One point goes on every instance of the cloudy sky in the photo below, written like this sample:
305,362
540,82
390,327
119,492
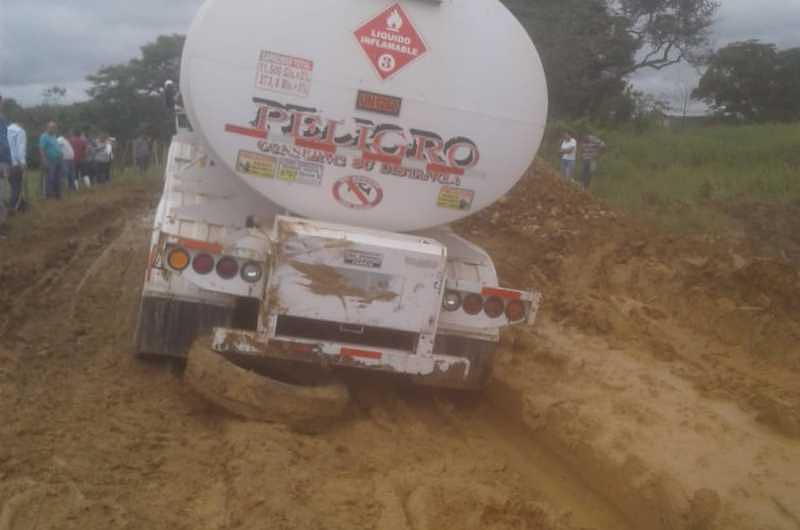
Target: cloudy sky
47,42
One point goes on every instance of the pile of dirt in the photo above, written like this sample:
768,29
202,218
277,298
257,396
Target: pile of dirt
582,253
644,335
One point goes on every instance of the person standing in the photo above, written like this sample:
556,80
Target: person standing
79,148
51,161
141,153
91,154
110,143
569,152
5,167
101,159
67,163
591,149
18,144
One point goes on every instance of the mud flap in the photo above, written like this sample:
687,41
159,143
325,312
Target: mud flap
168,327
481,361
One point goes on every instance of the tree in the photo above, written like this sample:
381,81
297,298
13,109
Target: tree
583,48
53,95
127,97
589,47
752,81
666,32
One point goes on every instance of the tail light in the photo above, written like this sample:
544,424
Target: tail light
451,301
473,304
227,268
494,307
178,259
203,264
515,311
251,272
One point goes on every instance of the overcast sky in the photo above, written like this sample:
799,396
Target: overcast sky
47,42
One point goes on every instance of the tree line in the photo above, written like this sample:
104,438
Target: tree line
752,81
125,100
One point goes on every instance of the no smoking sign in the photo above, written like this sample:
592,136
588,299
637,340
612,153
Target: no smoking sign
358,193
390,41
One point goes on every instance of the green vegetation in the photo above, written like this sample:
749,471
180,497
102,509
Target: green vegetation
677,176
33,181
125,100
40,211
753,82
590,47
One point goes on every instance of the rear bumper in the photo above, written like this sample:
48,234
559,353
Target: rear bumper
468,370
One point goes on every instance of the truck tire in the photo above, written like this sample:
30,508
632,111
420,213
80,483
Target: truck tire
257,397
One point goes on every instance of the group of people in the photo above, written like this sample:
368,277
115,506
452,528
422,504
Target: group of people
591,147
75,159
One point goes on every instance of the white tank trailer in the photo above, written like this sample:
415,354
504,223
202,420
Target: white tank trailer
323,148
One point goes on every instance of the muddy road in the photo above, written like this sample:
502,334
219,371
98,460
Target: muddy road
659,390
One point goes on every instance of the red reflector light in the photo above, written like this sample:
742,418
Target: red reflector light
493,307
515,311
203,264
473,304
351,352
227,268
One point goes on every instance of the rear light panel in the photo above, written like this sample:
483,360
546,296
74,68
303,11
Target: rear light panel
179,258
492,303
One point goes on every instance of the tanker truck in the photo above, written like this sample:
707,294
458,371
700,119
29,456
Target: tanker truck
323,150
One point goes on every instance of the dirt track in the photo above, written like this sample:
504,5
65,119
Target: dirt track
659,390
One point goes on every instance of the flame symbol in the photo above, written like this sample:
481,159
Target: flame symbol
395,21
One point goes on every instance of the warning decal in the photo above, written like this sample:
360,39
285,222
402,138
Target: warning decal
358,193
390,41
300,172
285,169
455,198
256,164
284,74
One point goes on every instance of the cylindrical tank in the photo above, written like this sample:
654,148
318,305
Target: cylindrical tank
396,115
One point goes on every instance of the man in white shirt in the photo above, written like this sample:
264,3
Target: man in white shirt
5,166
18,144
68,162
569,153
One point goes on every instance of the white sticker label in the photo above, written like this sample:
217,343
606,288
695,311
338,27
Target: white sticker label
284,74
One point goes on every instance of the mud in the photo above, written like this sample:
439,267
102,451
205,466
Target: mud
324,280
659,390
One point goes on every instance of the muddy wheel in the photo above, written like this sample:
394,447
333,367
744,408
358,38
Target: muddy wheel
258,397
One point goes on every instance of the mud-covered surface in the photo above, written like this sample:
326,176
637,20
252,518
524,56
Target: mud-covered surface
658,390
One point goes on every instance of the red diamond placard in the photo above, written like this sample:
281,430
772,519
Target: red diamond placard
391,41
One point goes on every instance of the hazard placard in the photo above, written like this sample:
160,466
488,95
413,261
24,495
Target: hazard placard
390,41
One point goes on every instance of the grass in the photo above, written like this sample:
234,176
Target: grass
677,176
41,210
33,181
